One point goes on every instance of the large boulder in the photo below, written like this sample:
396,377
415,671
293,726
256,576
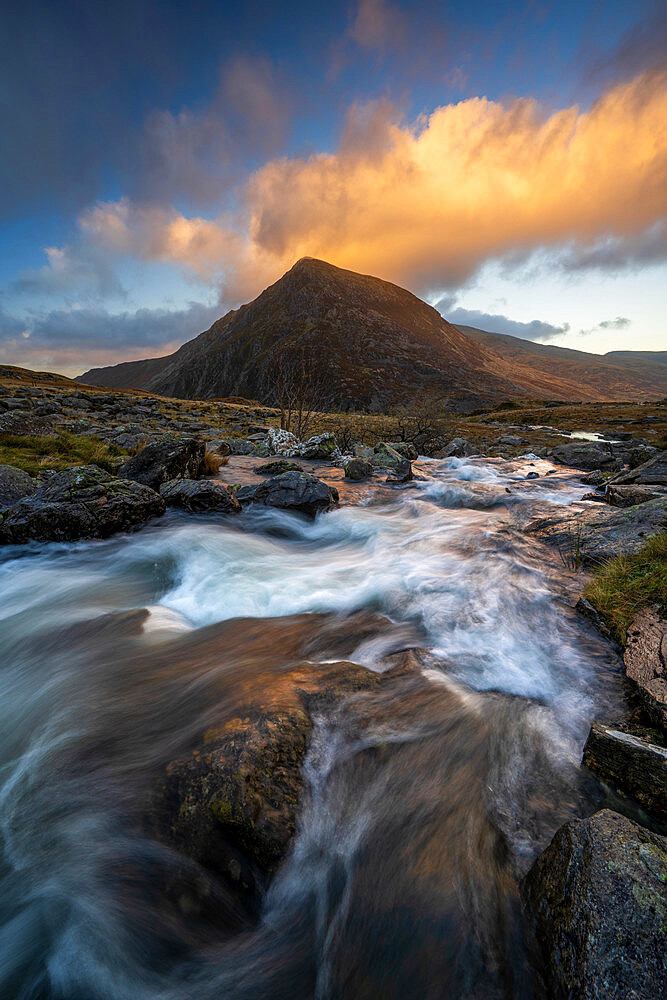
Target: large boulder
296,491
282,442
586,535
170,458
586,455
82,502
645,659
15,484
357,469
597,901
630,764
405,448
628,495
199,495
279,465
386,457
651,473
320,446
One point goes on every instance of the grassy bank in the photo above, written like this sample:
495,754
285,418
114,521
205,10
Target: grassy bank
33,453
627,584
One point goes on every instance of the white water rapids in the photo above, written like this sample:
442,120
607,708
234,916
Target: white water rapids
386,892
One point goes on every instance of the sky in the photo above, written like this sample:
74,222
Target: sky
162,163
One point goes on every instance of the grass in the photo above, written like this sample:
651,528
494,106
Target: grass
33,453
625,585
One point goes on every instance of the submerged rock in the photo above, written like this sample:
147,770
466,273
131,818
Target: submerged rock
15,484
199,495
587,536
597,900
630,764
171,458
296,491
645,659
82,502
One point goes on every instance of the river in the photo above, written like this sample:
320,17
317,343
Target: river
422,809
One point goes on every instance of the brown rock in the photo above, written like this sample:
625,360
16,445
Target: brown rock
630,764
645,661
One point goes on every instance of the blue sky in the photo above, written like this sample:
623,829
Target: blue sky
163,162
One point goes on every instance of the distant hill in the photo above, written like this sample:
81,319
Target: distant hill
374,345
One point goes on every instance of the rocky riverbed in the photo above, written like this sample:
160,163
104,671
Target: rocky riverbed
317,729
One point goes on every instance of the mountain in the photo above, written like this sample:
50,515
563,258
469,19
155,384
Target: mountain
616,375
370,342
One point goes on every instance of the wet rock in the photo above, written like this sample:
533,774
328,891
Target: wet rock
629,764
170,458
650,473
296,491
406,449
403,474
458,447
245,494
357,469
628,496
232,803
199,495
275,468
589,535
586,609
597,900
592,479
533,475
386,457
15,484
586,455
645,659
82,502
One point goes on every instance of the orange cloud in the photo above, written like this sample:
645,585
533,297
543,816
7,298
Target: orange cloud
428,203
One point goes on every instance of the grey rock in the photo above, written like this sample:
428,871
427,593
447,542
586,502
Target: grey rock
458,447
296,491
199,495
14,485
406,449
650,473
170,458
403,474
357,469
278,466
629,764
246,494
586,455
386,457
629,495
590,534
597,902
81,502
238,446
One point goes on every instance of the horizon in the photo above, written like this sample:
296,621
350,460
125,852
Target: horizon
503,162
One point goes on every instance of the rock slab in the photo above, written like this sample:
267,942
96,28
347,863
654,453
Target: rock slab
630,764
199,495
81,502
171,458
645,660
597,902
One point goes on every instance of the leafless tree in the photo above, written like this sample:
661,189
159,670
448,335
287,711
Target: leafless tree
300,387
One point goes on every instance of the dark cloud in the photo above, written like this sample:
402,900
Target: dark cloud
642,47
495,323
618,253
620,323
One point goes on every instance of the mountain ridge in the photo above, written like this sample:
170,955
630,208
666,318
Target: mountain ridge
373,343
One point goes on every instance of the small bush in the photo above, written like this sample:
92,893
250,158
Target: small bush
211,464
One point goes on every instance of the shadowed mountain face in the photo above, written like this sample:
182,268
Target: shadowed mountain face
373,344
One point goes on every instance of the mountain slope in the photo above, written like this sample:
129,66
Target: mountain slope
373,343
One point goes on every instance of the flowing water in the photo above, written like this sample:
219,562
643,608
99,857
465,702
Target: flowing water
425,802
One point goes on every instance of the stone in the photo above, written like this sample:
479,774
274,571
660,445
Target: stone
403,474
386,457
296,491
170,458
592,479
586,455
587,535
199,495
650,473
629,495
24,422
15,484
458,447
81,502
275,468
357,469
282,442
512,440
245,494
645,659
532,475
629,764
320,446
406,449
236,446
597,902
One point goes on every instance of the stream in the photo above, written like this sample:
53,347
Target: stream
424,805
